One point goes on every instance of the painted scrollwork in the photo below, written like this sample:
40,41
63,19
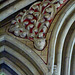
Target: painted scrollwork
34,23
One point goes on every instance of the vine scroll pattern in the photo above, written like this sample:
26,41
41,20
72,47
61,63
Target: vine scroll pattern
33,24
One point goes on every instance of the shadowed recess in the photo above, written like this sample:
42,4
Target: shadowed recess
4,66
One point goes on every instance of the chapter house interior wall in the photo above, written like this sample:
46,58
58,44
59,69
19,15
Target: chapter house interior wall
37,37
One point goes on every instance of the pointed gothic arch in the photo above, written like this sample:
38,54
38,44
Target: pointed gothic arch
9,63
59,32
6,42
59,29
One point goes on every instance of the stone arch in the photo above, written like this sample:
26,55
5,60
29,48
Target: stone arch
39,66
22,59
59,33
11,65
69,54
72,66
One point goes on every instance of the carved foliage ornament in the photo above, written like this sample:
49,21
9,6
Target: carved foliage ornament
34,23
